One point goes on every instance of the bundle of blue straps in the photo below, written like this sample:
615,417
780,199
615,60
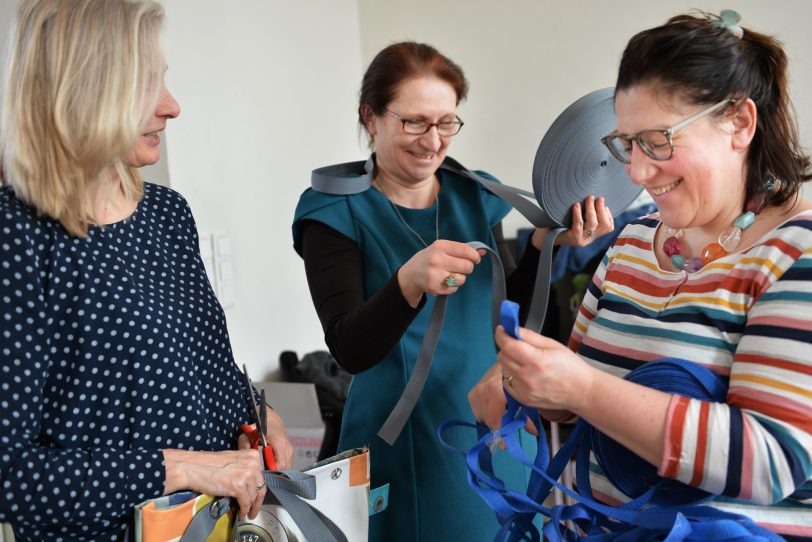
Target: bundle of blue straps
660,509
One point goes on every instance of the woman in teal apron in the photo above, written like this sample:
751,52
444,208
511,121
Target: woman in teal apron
375,262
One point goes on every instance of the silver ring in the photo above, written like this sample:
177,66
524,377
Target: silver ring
260,486
588,233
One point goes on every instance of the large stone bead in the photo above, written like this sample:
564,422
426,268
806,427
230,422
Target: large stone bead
730,239
671,247
712,252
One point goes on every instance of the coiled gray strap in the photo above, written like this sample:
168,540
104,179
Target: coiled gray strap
396,420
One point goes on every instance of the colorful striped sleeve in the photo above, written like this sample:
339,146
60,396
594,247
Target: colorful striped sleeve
756,447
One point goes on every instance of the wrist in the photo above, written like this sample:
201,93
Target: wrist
411,294
175,472
538,237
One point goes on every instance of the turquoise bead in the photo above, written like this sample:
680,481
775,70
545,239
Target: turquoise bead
744,220
678,261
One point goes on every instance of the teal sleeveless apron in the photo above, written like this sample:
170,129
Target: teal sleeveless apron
429,496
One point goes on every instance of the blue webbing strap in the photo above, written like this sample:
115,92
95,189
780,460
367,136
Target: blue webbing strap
663,509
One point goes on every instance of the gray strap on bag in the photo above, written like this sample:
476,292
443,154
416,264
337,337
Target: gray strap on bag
396,420
315,526
204,520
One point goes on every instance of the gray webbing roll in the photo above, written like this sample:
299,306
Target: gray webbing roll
571,162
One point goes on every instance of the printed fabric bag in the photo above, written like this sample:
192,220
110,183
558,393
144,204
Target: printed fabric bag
328,501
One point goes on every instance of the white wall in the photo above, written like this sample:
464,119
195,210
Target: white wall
266,91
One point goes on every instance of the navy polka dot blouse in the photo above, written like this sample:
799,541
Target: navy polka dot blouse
112,348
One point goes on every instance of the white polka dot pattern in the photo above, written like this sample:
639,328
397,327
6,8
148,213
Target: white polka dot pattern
112,348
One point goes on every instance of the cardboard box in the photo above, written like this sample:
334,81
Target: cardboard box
298,406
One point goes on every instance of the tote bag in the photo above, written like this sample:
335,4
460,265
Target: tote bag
328,501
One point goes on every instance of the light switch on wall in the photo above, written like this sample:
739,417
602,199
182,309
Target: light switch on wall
224,269
215,251
207,255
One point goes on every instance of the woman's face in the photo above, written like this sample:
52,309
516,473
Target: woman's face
703,183
146,149
406,158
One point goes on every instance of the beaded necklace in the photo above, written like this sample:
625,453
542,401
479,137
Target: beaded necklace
727,240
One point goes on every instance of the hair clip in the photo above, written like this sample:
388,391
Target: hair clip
729,20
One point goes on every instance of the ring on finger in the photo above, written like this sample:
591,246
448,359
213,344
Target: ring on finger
508,379
588,232
450,281
260,486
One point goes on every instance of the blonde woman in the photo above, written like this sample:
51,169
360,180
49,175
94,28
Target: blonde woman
117,381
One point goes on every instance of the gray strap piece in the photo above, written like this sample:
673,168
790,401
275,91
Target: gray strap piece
541,291
396,420
204,520
286,491
571,163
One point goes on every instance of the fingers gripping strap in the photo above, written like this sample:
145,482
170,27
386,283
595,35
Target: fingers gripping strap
394,424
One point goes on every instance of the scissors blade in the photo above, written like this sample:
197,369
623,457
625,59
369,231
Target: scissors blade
256,411
263,414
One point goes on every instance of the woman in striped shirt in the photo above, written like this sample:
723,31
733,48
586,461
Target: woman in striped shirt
721,276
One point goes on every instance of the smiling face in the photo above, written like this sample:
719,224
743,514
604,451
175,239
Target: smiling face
410,159
703,183
146,149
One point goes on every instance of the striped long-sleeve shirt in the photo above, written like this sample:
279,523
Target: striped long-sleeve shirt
747,317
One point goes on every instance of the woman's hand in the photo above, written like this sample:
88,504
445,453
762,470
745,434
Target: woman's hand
278,440
431,270
230,473
487,399
596,220
543,373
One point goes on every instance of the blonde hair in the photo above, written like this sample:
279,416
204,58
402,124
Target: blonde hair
82,80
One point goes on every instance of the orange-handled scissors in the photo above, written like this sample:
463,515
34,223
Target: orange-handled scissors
256,434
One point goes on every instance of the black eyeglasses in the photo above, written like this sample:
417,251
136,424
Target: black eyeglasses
656,144
445,128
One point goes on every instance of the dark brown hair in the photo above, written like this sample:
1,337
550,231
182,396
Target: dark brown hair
699,60
399,62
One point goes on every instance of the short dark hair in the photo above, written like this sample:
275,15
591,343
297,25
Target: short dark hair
401,61
695,58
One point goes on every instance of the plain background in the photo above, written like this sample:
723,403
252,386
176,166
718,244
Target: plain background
268,91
